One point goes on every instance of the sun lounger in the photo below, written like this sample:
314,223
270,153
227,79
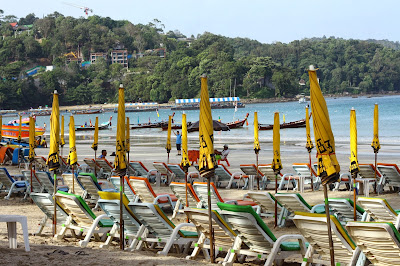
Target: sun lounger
266,201
136,168
45,203
343,209
162,171
81,218
36,186
8,184
380,242
109,202
250,175
68,179
179,190
314,229
305,172
391,175
91,186
178,173
255,234
222,174
128,190
92,165
294,202
145,193
106,167
201,191
366,177
40,163
47,182
380,210
269,175
159,229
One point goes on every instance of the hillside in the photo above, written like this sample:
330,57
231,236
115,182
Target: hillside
162,66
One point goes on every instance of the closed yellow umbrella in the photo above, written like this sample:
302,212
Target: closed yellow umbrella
276,161
168,145
128,142
1,127
72,156
31,156
95,140
256,145
19,130
375,141
120,154
207,162
328,166
185,163
53,160
309,145
354,168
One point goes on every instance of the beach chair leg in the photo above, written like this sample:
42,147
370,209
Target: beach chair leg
143,237
10,191
308,257
176,209
83,243
187,247
137,240
42,224
231,254
169,243
110,236
357,256
197,248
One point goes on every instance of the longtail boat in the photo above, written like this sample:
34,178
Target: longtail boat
11,131
87,112
147,125
102,126
294,124
237,124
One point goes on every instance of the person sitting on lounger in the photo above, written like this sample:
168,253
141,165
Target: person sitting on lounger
222,155
103,154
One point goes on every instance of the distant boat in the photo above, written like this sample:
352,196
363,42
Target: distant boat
237,124
87,112
102,126
302,100
12,132
294,124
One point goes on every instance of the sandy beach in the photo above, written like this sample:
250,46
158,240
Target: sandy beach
46,251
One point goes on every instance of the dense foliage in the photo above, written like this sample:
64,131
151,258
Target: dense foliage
245,67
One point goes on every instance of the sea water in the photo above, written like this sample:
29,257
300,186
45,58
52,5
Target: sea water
339,113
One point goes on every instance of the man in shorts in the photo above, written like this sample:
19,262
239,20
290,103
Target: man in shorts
178,142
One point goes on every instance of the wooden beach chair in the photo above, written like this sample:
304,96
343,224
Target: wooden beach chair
179,190
159,229
343,209
145,193
380,210
255,234
109,202
380,242
201,191
106,168
266,201
294,202
128,190
81,218
45,203
9,185
314,229
223,175
391,175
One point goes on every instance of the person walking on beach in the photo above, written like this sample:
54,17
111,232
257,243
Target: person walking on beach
103,154
178,142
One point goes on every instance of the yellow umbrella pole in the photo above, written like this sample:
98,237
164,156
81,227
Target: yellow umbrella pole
354,168
31,147
375,142
168,146
95,141
128,148
276,162
185,160
256,146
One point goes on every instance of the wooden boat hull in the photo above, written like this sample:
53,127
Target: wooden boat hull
294,124
12,132
87,112
237,124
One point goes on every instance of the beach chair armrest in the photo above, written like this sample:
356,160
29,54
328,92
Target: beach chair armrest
163,196
245,196
24,182
237,175
287,175
231,202
397,225
316,206
345,174
179,226
300,238
152,172
194,175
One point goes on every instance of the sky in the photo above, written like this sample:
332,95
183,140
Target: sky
263,20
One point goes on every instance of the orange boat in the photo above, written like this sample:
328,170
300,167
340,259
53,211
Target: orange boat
9,131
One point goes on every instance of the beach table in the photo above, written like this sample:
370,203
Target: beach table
12,221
